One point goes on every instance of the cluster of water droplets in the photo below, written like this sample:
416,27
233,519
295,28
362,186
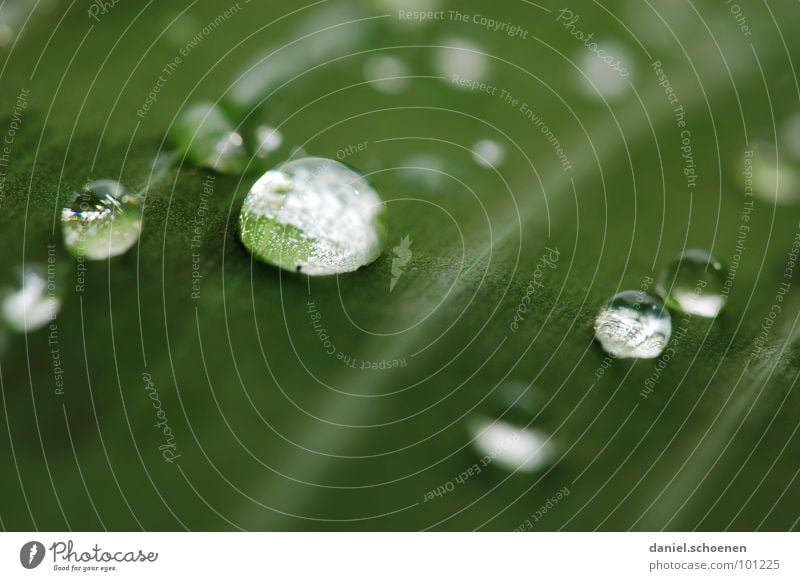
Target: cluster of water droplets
633,324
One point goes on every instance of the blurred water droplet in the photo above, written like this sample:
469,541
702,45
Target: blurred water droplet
102,221
268,140
633,324
385,73
694,283
313,215
6,34
208,139
609,76
459,58
509,433
770,178
488,153
424,170
790,133
33,302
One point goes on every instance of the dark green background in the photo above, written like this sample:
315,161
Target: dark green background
276,434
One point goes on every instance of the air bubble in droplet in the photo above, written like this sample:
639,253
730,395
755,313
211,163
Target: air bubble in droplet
102,220
633,324
488,153
33,302
315,216
694,283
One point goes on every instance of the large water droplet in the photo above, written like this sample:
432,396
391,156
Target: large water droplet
509,433
102,221
208,139
33,302
694,283
633,324
313,215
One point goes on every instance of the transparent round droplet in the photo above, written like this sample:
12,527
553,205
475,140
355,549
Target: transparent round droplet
633,324
268,140
694,283
607,75
458,59
488,153
386,73
33,301
313,215
208,139
102,220
509,433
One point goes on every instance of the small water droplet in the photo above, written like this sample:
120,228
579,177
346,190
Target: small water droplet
385,74
770,177
459,58
694,283
509,433
268,140
315,216
488,153
790,133
33,302
633,324
208,139
608,77
102,221
424,170
6,34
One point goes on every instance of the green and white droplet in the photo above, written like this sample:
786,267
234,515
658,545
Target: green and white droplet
102,220
33,302
509,433
313,215
208,139
633,325
694,284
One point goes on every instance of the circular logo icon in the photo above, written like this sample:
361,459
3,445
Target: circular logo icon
31,554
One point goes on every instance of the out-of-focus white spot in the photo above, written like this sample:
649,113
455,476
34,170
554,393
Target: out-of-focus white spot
459,58
385,73
608,73
513,448
488,153
268,140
